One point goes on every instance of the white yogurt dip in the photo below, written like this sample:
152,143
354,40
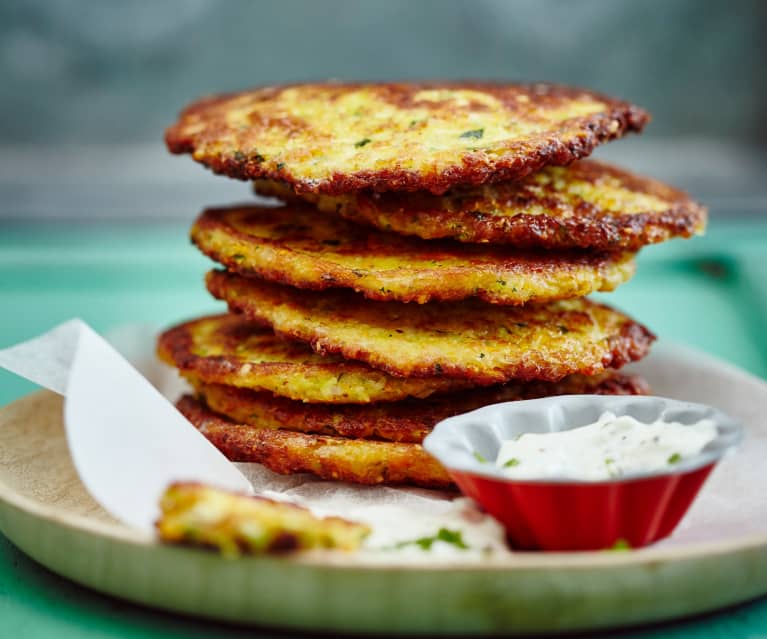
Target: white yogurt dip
607,449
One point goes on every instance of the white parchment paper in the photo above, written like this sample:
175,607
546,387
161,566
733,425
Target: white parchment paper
128,443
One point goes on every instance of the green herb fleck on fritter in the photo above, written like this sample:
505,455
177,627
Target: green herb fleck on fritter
474,133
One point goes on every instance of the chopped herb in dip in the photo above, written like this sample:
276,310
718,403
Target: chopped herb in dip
453,537
609,448
620,544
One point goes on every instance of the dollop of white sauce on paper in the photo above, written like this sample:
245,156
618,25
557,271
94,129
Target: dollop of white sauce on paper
607,449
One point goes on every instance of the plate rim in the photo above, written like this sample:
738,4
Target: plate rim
509,594
518,560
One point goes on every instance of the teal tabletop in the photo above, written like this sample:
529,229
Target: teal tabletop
709,293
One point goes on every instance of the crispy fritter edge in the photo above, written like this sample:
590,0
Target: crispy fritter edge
174,348
360,461
631,344
403,421
594,129
604,272
587,229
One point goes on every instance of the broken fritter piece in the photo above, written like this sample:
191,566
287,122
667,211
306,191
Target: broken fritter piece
236,524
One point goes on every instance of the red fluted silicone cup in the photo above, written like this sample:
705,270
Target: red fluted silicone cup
566,514
578,516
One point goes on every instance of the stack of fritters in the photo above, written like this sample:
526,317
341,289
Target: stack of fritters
431,256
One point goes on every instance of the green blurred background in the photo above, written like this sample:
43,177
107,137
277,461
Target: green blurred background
88,86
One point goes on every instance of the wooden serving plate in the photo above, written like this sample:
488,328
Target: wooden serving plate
46,512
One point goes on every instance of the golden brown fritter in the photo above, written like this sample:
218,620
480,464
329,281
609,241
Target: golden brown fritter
584,205
235,524
294,245
470,340
359,461
337,138
229,349
405,421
